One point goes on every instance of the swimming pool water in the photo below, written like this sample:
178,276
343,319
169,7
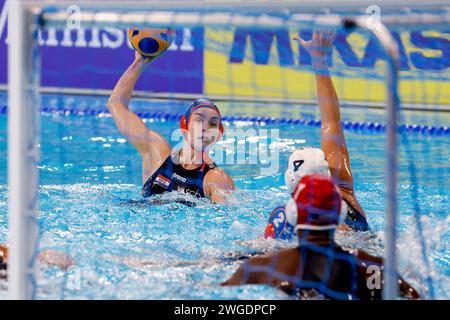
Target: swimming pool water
129,248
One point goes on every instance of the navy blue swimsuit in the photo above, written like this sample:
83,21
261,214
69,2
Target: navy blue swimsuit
355,219
173,177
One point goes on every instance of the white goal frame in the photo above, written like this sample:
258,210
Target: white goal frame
25,18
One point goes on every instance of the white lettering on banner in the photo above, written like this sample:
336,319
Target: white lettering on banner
95,40
52,41
112,38
108,42
81,39
186,44
67,39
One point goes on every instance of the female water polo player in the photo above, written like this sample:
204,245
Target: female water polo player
188,169
318,266
333,159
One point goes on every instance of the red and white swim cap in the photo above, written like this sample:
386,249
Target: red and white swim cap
315,204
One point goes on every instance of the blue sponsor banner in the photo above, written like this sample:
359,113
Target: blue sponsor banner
96,58
416,57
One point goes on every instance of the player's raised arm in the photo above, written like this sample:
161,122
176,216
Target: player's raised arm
128,123
333,140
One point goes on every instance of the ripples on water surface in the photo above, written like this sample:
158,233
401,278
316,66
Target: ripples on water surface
129,248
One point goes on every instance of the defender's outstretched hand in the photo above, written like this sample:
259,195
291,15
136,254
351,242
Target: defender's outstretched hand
320,44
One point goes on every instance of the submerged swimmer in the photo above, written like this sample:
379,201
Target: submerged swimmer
188,169
333,159
318,266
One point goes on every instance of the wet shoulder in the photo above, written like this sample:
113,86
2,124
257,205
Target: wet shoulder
217,174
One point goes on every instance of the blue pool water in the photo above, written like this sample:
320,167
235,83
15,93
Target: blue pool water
127,248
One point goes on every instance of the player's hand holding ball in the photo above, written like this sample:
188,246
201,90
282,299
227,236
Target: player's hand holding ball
150,43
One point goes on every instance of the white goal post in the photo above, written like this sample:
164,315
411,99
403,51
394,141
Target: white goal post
25,17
